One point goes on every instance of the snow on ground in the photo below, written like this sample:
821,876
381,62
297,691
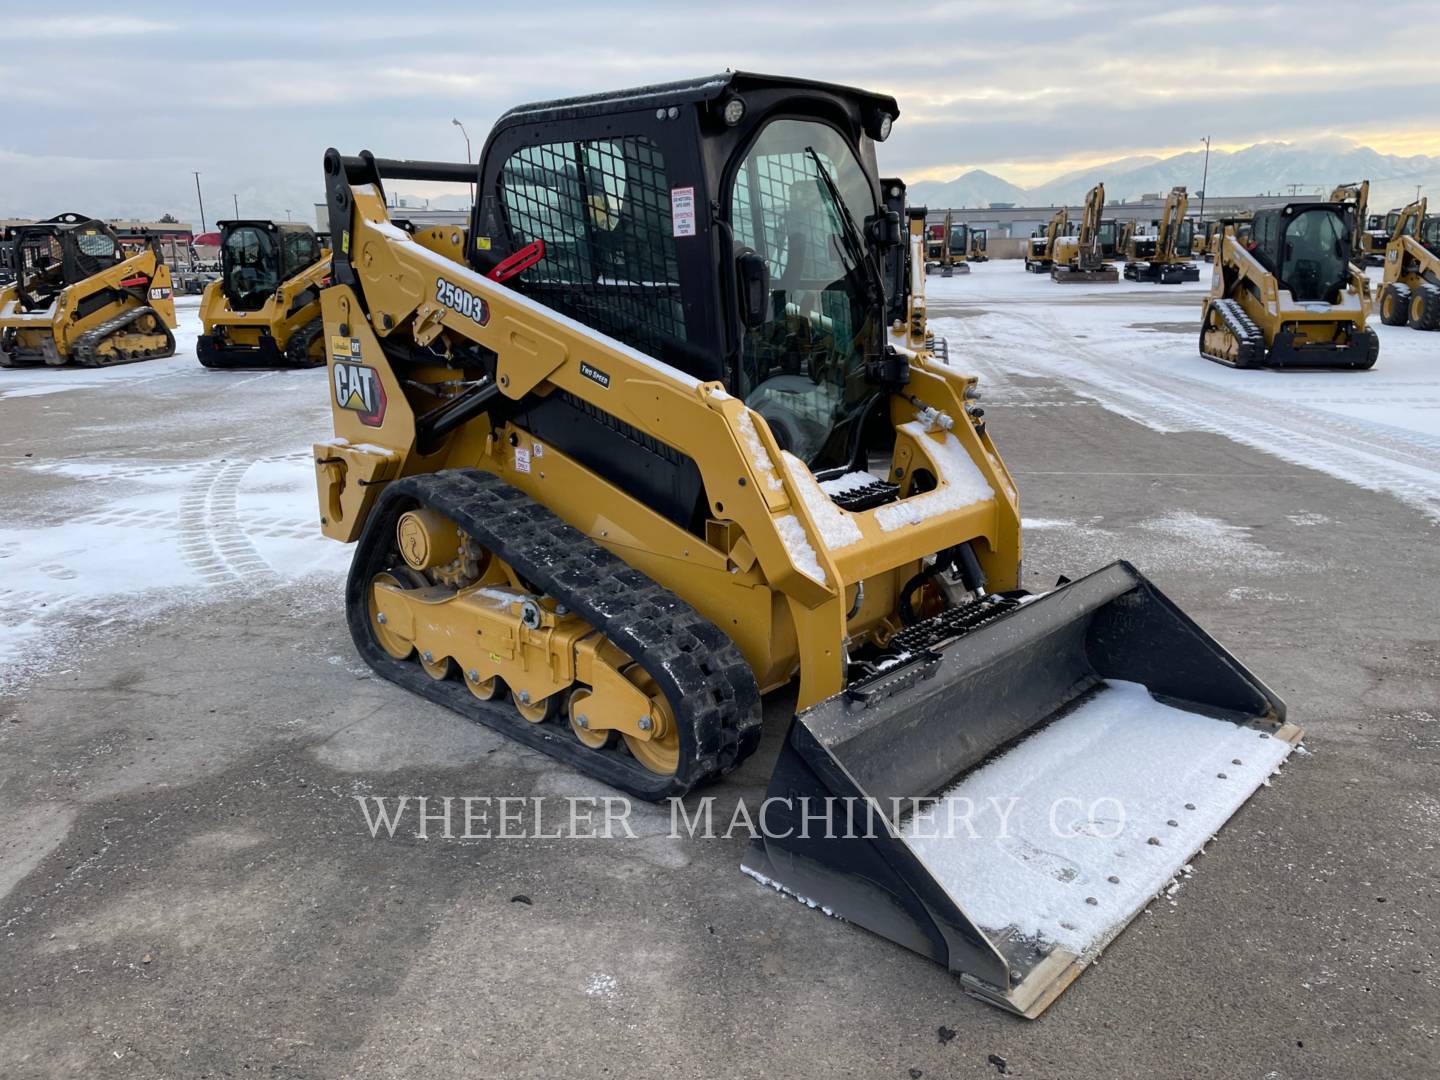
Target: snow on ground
202,488
1132,348
1110,802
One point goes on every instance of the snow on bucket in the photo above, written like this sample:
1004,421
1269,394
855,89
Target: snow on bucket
1006,803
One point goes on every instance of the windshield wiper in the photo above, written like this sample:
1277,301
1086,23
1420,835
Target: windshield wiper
850,233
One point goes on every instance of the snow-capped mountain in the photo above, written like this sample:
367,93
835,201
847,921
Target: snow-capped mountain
1265,168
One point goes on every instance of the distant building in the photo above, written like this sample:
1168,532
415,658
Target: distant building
1007,220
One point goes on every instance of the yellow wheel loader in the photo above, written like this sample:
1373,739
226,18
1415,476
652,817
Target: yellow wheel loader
1040,251
662,431
1410,289
1081,257
78,298
1165,260
264,309
1291,296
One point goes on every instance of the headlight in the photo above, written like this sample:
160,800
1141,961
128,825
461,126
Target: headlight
734,111
883,131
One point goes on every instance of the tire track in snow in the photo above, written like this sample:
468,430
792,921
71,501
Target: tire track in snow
1373,456
212,538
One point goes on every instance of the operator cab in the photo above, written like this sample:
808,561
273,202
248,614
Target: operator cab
731,226
257,257
1307,247
959,241
54,254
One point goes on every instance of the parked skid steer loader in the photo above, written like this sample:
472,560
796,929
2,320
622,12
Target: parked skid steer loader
78,298
663,431
1410,289
1291,297
264,309
1081,257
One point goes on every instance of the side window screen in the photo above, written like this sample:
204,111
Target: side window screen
603,209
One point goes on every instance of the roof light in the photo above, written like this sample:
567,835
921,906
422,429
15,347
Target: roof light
883,131
734,111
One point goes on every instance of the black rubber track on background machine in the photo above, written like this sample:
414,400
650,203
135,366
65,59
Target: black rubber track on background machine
696,666
86,352
297,349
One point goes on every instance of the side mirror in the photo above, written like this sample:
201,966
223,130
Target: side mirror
752,275
883,229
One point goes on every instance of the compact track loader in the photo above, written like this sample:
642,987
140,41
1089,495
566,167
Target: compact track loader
1081,257
1168,261
664,430
1291,297
1410,289
78,298
1040,252
264,309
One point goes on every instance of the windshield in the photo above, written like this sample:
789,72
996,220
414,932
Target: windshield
803,368
1314,262
251,267
958,239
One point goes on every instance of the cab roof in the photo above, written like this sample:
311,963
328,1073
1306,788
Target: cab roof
697,91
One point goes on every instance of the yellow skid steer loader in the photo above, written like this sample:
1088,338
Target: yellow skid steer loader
77,297
1291,296
264,309
1410,289
663,431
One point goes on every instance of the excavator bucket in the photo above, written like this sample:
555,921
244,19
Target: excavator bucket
1011,792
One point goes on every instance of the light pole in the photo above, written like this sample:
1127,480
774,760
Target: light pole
461,126
236,199
287,215
1205,178
201,199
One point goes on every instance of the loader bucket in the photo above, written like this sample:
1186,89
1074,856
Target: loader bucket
1007,800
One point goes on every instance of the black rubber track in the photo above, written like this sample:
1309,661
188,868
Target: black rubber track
86,353
297,349
698,668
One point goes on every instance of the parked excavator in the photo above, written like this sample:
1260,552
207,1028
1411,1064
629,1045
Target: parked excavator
947,247
1081,257
1169,262
1367,245
1410,289
1209,242
77,297
264,309
978,241
663,430
1291,297
1040,252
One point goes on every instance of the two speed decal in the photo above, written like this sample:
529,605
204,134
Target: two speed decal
463,301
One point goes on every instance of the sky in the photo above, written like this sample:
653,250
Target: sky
110,110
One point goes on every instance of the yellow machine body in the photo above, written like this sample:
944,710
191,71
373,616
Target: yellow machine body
610,552
78,299
1409,293
264,308
1291,296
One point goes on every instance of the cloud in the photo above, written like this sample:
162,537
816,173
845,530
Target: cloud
81,27
1024,88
